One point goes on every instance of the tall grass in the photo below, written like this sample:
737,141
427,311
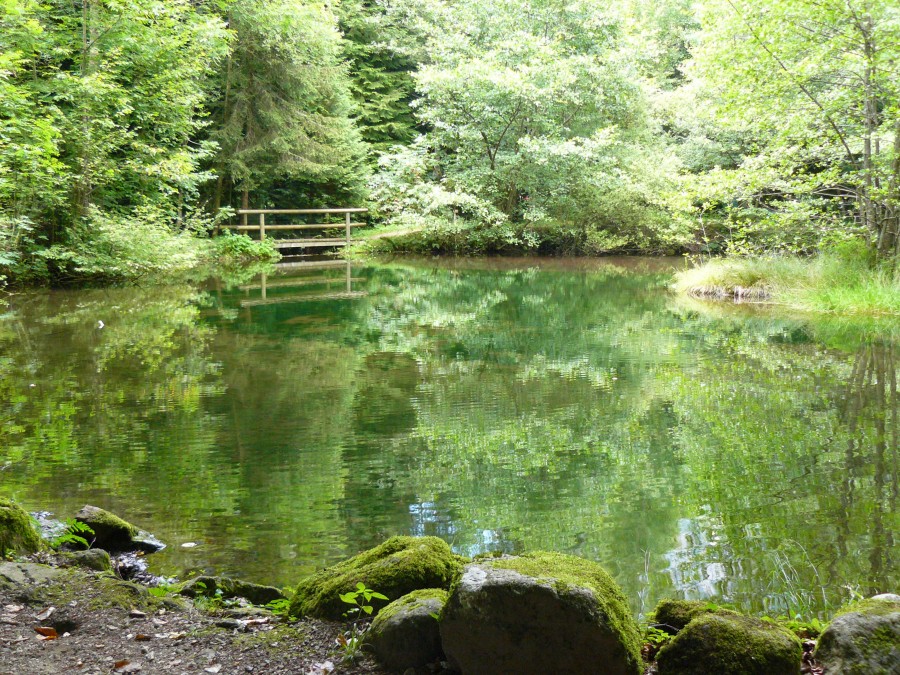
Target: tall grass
835,282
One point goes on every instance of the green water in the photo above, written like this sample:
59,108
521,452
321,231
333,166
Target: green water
695,450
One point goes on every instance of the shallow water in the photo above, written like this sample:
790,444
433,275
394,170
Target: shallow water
696,450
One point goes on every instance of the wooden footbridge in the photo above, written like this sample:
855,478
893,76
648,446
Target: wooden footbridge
288,245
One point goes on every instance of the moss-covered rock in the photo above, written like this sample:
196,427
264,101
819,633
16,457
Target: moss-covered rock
95,559
672,615
863,639
405,634
397,567
539,613
731,644
17,532
114,534
225,587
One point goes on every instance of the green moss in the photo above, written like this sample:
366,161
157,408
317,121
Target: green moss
731,644
17,532
672,615
411,599
101,520
398,566
570,572
870,607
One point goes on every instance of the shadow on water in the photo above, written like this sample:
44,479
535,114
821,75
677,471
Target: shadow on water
286,421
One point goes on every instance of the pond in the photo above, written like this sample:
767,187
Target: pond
281,423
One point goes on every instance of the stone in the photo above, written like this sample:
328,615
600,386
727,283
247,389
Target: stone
398,566
114,534
672,615
17,575
231,588
95,559
18,534
731,644
539,613
405,634
863,638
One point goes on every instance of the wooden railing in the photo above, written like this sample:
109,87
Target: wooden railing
347,225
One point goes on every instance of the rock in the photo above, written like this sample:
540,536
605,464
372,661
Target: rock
539,613
95,559
731,644
231,588
863,638
114,534
17,575
397,567
18,534
673,615
405,634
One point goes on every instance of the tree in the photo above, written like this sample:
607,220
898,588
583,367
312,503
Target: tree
284,108
381,73
815,83
534,109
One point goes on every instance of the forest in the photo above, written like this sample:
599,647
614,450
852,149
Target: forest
764,131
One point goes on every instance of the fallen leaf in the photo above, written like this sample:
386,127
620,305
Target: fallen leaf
137,614
160,622
12,609
121,664
43,616
48,632
140,637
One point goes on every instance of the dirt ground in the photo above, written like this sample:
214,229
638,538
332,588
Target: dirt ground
69,621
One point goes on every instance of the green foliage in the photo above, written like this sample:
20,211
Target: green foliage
283,103
380,73
279,607
75,534
231,249
359,600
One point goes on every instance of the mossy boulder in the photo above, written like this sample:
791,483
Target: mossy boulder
225,587
113,534
672,615
398,566
731,644
405,634
863,638
539,613
17,532
95,559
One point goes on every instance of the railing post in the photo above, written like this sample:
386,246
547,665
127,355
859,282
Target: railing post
262,226
347,221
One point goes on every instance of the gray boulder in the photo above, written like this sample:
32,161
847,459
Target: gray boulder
864,638
405,634
539,613
731,644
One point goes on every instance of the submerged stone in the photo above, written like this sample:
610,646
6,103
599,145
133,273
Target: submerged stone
231,588
17,532
539,613
398,566
864,638
113,534
731,644
405,634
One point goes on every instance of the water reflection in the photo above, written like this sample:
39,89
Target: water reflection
291,420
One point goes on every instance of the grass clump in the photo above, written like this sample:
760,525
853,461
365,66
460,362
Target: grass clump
842,281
